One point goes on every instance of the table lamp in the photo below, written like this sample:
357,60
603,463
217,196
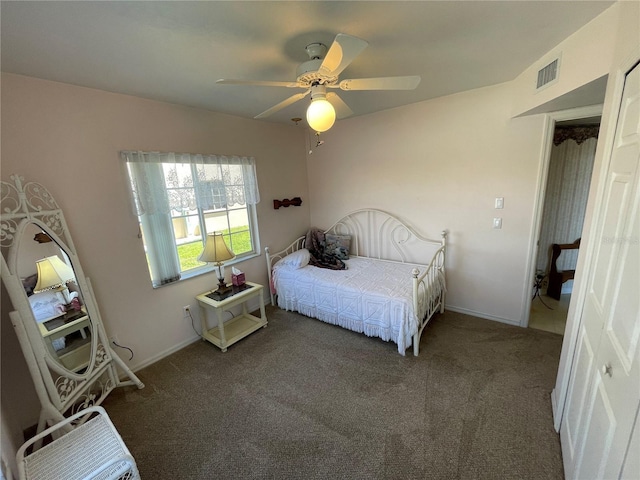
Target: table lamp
54,274
216,251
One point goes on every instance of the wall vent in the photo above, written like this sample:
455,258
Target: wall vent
548,74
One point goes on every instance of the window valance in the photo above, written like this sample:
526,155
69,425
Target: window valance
220,180
577,133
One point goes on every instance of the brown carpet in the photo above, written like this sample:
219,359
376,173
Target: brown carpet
304,399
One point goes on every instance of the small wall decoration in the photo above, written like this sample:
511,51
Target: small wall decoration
42,237
295,201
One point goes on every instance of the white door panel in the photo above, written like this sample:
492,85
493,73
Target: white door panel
577,394
631,465
600,433
623,326
604,386
609,241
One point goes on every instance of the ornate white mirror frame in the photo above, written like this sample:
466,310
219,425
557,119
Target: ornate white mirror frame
62,391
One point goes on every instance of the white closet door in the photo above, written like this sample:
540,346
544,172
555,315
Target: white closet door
604,389
631,467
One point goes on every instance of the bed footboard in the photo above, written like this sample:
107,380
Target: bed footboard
272,258
430,288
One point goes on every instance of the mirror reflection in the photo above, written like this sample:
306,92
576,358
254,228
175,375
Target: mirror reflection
55,299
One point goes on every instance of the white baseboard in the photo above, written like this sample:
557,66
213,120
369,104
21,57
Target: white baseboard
164,353
486,316
252,305
554,411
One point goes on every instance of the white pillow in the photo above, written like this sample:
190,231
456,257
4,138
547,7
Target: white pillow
297,259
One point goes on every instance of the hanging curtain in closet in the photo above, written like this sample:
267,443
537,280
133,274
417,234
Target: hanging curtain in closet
568,182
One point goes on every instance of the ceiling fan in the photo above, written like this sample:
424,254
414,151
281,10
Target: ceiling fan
320,73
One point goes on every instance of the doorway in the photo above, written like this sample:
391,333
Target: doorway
569,172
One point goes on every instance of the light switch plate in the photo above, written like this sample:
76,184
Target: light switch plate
499,202
497,222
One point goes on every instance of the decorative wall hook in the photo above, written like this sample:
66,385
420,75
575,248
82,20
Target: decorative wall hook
42,237
295,201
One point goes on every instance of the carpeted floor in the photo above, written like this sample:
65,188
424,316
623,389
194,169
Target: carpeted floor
302,399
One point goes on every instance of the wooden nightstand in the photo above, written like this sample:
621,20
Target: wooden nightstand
226,334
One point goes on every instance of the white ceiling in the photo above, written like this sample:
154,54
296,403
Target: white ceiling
175,51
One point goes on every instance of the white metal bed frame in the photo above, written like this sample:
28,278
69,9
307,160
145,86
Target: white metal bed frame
383,236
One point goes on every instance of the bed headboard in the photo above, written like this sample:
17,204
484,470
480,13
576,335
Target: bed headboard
375,234
378,234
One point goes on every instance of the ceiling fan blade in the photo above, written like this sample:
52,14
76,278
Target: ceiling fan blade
342,52
381,83
283,104
342,109
260,83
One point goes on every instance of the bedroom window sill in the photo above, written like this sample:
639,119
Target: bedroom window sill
208,269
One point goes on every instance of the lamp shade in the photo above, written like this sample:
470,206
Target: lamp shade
53,273
215,250
321,115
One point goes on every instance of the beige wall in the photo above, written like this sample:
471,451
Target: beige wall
584,57
68,139
439,165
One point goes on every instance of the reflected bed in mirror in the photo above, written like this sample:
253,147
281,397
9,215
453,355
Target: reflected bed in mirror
55,299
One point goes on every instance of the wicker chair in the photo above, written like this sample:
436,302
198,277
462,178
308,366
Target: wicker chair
91,450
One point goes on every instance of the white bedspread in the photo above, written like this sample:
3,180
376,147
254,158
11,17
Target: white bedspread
372,297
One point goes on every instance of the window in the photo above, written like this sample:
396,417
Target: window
180,198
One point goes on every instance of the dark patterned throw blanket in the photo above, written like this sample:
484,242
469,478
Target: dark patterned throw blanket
315,243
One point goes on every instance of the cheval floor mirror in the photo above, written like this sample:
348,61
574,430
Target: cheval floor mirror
55,315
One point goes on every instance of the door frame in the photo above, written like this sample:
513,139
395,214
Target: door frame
584,268
550,121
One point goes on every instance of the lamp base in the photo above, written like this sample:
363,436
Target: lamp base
222,287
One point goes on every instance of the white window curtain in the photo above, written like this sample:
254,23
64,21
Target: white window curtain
152,204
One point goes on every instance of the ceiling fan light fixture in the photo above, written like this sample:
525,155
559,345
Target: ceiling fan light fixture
322,71
321,115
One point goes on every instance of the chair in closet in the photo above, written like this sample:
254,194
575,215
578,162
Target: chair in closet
558,277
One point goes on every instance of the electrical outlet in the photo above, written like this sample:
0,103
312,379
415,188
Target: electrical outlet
113,339
186,311
497,222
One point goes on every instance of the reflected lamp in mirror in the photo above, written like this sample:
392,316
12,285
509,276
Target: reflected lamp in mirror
54,274
216,251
